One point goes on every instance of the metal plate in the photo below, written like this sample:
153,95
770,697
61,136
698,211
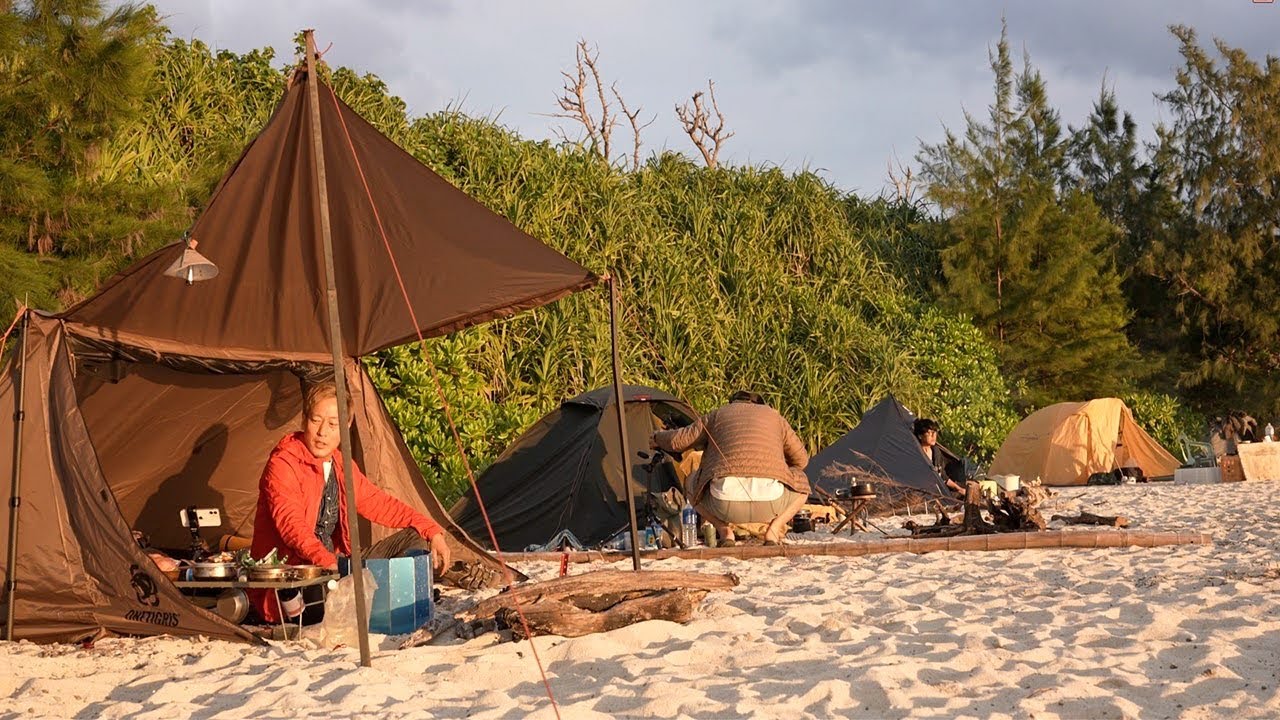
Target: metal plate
271,572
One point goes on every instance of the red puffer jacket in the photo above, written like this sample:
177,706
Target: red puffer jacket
289,500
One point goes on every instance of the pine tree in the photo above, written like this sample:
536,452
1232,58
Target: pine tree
1029,260
1220,257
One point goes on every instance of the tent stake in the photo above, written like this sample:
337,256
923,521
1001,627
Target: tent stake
620,404
15,499
335,342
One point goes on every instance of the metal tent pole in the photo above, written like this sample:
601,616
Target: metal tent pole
335,343
15,499
619,402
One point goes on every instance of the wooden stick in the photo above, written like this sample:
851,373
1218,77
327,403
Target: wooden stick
1050,539
1085,518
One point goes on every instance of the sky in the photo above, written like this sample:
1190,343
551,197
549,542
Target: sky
840,87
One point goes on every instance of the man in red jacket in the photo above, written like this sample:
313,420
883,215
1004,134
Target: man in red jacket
302,505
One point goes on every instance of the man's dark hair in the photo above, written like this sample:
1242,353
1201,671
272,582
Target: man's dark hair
923,425
747,396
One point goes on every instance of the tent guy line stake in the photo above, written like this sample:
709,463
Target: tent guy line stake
335,343
15,498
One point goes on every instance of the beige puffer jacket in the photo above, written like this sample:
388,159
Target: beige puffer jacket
741,439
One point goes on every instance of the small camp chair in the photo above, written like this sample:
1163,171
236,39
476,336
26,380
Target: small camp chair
1195,453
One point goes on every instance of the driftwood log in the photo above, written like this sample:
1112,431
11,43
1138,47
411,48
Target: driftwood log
557,617
578,605
1084,518
1017,511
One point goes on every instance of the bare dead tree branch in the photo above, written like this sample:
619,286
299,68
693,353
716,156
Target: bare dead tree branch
636,127
696,120
903,180
575,103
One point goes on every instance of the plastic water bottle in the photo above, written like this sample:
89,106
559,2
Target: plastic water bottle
1269,432
688,525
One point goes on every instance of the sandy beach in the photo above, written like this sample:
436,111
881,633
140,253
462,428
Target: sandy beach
1174,632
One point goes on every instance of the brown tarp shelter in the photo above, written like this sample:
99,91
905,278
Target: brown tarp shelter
154,395
1064,444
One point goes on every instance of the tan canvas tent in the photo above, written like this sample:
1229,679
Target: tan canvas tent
1065,443
154,395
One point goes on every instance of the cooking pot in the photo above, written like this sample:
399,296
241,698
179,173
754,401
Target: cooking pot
212,571
863,489
802,522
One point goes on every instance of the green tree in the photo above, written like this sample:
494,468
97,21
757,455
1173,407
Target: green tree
72,75
1030,262
1220,257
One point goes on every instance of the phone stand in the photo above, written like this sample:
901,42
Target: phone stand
199,548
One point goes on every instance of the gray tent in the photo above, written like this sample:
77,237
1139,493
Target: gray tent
881,447
564,472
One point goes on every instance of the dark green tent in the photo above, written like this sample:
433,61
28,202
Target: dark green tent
881,448
564,474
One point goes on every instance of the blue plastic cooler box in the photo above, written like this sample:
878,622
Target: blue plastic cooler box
402,603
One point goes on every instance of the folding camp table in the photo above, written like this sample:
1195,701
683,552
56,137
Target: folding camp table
854,506
275,586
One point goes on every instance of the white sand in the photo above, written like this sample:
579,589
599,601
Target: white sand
1181,632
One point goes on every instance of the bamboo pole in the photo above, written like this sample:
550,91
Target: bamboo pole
1051,539
619,402
335,344
15,496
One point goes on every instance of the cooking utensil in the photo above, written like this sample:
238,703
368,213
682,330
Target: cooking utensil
802,522
863,489
212,571
261,573
232,605
307,572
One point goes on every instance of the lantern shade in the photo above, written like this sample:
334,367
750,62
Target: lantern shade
192,267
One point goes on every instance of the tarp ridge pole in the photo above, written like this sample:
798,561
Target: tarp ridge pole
15,497
619,402
335,343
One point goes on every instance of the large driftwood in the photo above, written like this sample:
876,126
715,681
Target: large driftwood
1049,539
579,604
1085,518
597,590
1016,511
556,617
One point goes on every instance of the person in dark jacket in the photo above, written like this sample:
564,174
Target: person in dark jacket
926,432
752,468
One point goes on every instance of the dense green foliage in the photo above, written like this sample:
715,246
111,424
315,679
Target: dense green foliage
731,279
1045,257
72,77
